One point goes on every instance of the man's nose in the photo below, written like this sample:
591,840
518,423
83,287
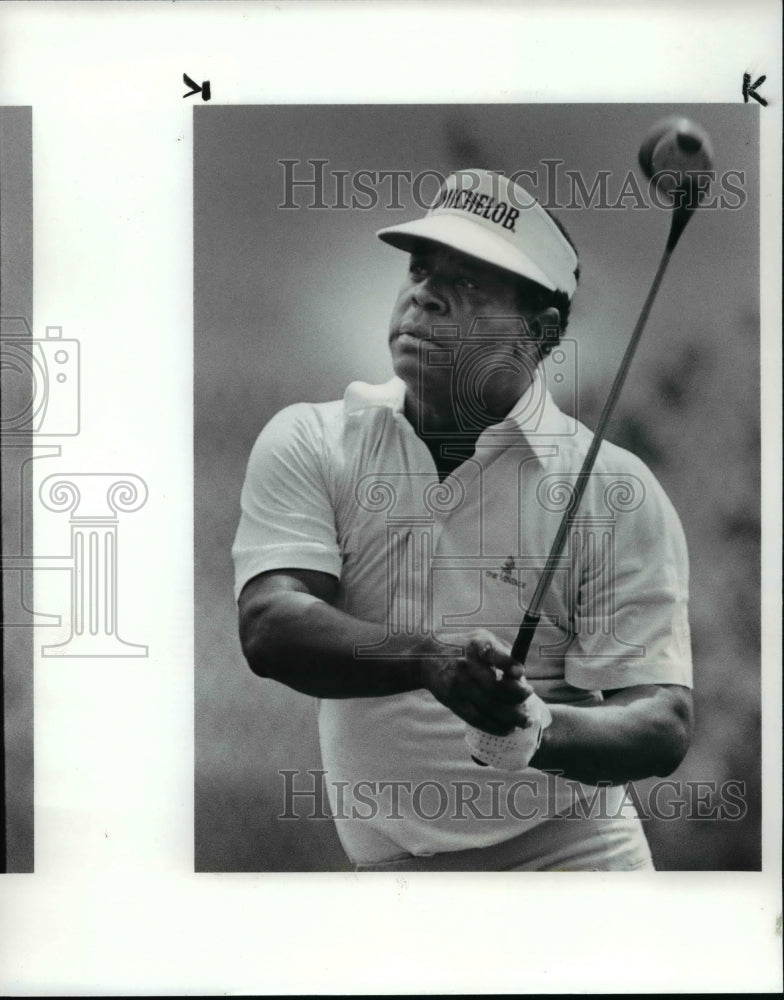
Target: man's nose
429,297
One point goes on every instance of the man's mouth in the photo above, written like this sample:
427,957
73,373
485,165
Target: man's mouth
418,333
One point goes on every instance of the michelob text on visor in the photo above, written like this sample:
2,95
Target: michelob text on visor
480,204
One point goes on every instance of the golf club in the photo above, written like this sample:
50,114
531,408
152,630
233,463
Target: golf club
667,148
673,154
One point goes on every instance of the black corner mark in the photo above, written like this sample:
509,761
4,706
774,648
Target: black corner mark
750,89
204,89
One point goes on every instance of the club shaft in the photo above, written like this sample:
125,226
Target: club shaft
527,629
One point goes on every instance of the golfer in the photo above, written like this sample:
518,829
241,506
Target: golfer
388,543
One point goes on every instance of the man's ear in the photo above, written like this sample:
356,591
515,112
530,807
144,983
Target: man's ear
546,325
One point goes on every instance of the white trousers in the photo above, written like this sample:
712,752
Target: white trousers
593,844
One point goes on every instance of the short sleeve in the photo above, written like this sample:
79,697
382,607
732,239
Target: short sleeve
287,519
632,619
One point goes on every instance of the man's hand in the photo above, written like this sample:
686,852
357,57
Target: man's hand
484,686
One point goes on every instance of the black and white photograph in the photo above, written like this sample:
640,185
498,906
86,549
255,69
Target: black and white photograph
414,325
23,365
391,476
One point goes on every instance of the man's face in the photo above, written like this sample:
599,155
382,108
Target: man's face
454,310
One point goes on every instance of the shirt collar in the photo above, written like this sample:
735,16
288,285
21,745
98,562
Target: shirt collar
535,415
363,396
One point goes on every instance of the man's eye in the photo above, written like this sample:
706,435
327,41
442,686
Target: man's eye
467,282
417,270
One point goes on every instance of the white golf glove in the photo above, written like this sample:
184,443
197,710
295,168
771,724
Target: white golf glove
513,751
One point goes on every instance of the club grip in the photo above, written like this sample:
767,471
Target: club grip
525,635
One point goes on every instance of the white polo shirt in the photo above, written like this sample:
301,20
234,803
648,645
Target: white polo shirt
348,488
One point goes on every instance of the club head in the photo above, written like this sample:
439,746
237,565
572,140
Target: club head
676,155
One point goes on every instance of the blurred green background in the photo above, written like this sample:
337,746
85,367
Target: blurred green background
292,305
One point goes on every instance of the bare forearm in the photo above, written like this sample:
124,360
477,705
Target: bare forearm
617,741
322,651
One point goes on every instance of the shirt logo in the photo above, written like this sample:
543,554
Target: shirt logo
507,574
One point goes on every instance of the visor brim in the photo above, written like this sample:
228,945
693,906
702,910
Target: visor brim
461,234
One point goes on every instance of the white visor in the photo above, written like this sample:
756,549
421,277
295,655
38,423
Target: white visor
487,216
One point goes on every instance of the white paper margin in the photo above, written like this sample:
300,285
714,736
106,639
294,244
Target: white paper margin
114,906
